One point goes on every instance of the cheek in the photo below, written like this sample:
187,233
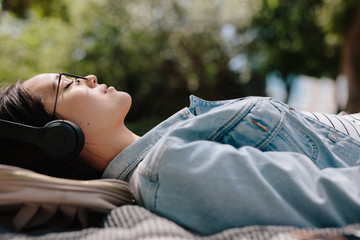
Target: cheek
78,111
87,109
73,107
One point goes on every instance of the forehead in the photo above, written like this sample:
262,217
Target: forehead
43,84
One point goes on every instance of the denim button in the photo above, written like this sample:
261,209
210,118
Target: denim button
333,137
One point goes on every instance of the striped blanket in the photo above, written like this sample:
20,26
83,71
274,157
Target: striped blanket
134,222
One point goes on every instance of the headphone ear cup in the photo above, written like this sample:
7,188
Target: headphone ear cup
61,140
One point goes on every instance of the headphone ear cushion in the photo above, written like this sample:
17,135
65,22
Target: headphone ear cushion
62,140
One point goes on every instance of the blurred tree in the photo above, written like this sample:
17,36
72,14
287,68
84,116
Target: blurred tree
301,37
45,8
351,60
31,45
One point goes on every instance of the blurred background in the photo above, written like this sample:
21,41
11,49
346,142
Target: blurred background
303,52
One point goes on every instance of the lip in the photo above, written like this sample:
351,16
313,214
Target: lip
109,89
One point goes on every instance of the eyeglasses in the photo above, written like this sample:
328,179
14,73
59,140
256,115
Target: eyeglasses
71,77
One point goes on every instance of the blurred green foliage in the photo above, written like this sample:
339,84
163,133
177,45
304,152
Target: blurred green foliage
301,37
160,51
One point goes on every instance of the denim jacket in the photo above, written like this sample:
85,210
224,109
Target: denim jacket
250,161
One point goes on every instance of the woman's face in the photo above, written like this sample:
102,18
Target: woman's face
86,103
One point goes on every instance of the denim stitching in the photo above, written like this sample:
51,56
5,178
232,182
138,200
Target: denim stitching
219,133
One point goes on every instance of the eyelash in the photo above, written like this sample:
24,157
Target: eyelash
68,85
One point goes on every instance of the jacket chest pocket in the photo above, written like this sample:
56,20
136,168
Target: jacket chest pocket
294,140
256,128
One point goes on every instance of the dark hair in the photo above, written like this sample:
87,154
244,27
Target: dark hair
18,105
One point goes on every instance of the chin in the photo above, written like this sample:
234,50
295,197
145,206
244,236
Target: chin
127,98
125,102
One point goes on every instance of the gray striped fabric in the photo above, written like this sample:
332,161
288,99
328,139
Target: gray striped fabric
134,222
348,124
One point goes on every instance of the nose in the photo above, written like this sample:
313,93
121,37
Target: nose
91,80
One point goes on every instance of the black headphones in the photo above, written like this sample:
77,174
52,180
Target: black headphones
59,140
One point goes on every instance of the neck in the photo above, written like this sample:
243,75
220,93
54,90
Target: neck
105,147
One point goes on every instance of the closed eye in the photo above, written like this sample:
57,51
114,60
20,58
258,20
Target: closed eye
68,85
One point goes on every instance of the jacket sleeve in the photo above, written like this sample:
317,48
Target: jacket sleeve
208,187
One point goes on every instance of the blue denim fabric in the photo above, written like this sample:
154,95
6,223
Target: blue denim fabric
250,161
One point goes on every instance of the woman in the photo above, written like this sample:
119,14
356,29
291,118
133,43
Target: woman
215,165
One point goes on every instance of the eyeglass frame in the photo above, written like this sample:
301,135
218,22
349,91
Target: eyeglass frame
58,86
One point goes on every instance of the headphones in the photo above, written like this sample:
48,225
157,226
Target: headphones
59,140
